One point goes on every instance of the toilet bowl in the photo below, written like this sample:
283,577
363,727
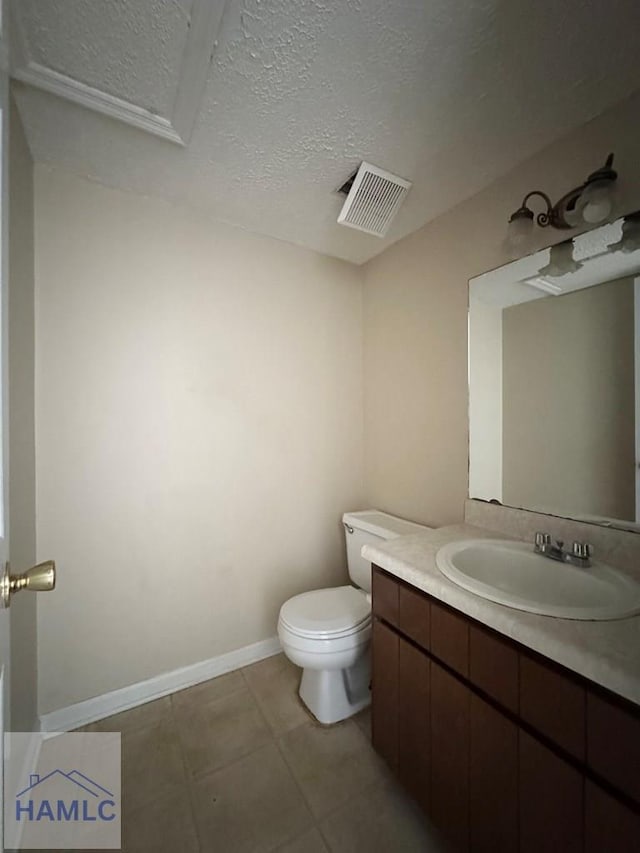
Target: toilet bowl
327,632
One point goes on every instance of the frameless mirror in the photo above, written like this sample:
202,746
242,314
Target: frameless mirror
554,379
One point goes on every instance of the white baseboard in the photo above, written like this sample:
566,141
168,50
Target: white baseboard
99,707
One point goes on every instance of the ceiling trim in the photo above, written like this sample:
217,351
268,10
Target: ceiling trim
51,81
204,25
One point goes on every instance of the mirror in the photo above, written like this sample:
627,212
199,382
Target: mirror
554,379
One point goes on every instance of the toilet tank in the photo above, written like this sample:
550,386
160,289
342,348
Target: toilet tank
366,528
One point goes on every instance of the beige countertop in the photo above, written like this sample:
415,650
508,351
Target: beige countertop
607,653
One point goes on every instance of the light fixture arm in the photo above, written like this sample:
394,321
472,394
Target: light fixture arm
543,218
562,213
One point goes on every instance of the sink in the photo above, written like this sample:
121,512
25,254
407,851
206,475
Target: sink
512,573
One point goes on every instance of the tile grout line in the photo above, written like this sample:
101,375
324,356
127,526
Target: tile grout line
185,767
258,702
286,764
335,809
195,778
314,819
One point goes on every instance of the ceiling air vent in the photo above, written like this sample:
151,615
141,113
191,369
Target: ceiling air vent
373,199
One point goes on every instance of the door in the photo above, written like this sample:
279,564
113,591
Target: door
5,647
636,326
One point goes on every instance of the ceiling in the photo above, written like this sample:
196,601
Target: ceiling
256,110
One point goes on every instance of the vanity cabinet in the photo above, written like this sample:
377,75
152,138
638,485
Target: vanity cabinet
504,750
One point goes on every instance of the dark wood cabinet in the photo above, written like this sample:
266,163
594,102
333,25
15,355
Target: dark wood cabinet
450,729
494,667
414,723
610,825
553,704
506,752
385,704
613,743
414,616
493,780
551,800
450,638
386,598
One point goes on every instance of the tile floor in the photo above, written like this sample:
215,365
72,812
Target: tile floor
237,765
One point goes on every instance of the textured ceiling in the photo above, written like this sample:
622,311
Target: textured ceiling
132,50
447,93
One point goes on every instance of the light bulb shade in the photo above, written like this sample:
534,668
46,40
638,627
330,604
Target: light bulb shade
596,201
520,227
572,214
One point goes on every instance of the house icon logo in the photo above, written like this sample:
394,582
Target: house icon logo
63,796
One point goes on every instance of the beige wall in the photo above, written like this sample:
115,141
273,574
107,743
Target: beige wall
415,316
199,408
22,531
568,383
199,433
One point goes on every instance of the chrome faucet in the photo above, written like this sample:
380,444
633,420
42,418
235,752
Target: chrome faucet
580,554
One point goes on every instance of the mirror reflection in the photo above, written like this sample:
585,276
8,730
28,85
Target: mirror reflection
554,375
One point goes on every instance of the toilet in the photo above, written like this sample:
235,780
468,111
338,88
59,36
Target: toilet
327,631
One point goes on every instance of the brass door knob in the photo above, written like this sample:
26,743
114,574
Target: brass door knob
40,578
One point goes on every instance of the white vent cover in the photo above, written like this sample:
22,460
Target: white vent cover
373,200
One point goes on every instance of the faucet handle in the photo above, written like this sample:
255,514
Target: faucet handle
581,550
541,539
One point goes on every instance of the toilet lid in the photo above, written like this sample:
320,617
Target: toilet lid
326,612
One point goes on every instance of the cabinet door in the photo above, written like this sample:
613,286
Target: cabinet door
553,705
613,743
384,689
493,780
609,825
414,723
450,711
551,800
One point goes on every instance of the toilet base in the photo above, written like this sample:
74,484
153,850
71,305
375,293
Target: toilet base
336,694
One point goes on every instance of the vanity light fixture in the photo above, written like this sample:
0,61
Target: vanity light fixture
589,204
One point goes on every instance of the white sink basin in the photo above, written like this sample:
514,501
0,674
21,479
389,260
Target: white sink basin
512,573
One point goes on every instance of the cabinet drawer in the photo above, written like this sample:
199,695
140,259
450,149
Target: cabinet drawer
493,667
554,705
414,613
613,744
385,596
450,638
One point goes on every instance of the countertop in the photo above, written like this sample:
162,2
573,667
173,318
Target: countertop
607,653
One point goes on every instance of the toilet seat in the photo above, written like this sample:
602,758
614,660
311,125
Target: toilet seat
323,648
326,614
